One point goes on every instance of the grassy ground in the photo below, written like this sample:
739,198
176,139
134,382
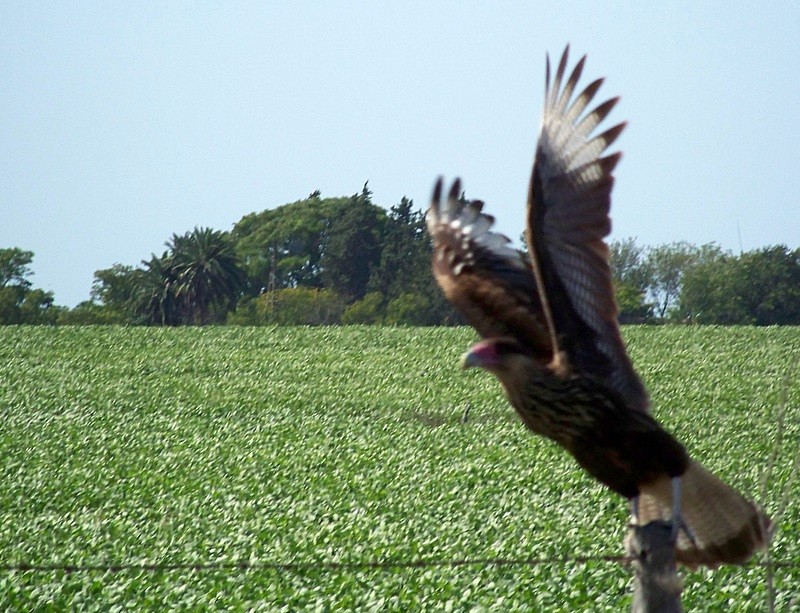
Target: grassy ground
293,445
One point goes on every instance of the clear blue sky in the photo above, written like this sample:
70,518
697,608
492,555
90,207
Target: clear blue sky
123,122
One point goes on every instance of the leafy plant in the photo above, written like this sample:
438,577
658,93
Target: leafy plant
309,445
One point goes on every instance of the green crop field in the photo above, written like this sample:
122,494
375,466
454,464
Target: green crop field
275,446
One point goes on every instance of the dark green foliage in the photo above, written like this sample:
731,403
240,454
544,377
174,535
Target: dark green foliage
353,247
157,303
246,313
759,287
408,309
350,246
15,267
196,282
406,253
10,300
20,303
282,247
38,307
116,295
368,310
374,267
404,276
305,306
631,304
668,265
705,284
631,274
208,279
90,313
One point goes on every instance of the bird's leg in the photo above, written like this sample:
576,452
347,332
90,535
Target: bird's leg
677,519
678,524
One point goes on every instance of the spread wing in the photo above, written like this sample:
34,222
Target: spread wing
491,284
568,205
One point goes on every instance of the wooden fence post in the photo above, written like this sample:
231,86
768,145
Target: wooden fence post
656,585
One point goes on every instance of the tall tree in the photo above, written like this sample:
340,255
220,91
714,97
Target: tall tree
352,247
772,287
282,247
20,303
15,267
156,302
11,298
207,276
629,264
38,307
403,274
405,253
760,287
117,289
631,275
668,265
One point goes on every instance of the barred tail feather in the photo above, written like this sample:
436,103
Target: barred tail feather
727,528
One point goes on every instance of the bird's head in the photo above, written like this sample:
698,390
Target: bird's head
500,356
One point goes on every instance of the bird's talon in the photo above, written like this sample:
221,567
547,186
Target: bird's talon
678,526
635,510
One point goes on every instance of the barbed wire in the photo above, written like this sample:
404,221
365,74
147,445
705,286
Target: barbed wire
300,567
304,567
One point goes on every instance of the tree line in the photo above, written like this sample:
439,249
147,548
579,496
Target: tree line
347,260
681,282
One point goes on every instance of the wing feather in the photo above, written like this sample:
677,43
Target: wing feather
488,282
568,207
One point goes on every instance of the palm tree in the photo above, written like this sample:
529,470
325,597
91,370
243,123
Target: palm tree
156,302
207,274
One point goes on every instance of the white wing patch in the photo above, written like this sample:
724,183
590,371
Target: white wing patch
466,227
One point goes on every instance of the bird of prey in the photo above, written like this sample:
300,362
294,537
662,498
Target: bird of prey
548,322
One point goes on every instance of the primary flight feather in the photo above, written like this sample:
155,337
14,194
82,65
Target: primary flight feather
550,335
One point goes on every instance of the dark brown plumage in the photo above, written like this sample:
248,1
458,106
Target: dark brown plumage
549,324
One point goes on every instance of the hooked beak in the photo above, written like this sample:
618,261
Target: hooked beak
469,360
482,354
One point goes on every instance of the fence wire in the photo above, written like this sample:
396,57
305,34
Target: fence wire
300,567
304,567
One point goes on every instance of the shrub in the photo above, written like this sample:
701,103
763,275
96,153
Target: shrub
368,310
299,306
408,309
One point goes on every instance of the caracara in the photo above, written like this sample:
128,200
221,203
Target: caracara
548,323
